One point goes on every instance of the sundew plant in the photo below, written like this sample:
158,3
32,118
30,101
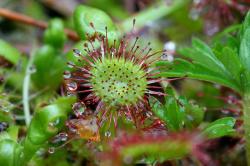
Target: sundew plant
113,83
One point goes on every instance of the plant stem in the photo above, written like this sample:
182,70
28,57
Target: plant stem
246,110
31,21
26,83
151,14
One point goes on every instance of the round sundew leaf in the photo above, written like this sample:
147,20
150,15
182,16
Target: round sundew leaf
122,82
84,15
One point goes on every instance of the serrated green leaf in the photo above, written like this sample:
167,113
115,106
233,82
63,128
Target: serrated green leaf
184,68
246,24
231,61
226,33
193,113
203,55
245,53
158,108
205,66
174,114
170,112
245,49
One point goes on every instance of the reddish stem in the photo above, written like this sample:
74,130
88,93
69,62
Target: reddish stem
14,16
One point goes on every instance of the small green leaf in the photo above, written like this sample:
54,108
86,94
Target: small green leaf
170,112
54,34
9,53
9,152
169,150
48,64
84,15
220,127
158,108
174,114
13,132
193,113
47,121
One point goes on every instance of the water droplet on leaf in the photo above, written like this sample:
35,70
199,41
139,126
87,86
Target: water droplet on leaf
194,14
54,123
78,109
76,53
32,69
107,134
71,64
67,74
3,126
51,150
61,137
128,159
72,86
70,94
149,114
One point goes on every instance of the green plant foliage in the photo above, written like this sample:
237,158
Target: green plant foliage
46,122
194,114
177,112
206,94
244,53
8,150
133,107
9,52
155,12
204,66
219,128
168,150
230,60
228,66
117,10
159,148
79,46
54,34
84,15
182,22
48,64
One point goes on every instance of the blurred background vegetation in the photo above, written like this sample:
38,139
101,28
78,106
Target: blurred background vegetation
165,29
